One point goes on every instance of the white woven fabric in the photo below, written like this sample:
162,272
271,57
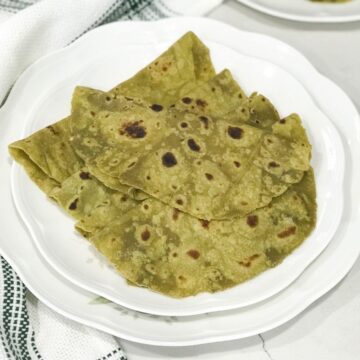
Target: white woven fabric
51,24
41,28
59,338
25,36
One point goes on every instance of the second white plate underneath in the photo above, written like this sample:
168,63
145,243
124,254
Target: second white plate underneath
74,258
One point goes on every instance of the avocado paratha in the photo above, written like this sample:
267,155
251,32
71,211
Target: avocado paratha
160,246
216,170
47,155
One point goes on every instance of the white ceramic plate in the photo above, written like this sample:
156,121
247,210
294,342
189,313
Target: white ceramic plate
74,258
305,10
328,269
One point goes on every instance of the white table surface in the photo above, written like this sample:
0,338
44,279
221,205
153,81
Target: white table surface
330,328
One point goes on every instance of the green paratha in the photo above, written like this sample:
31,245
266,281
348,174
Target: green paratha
73,192
216,170
91,203
158,245
47,155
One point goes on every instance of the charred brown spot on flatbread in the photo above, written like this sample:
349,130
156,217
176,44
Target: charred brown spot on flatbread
169,159
145,235
205,121
133,130
85,175
291,230
204,223
193,145
235,132
273,164
201,103
186,100
252,220
193,254
73,205
248,261
156,107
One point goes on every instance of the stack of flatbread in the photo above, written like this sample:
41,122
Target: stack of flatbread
182,181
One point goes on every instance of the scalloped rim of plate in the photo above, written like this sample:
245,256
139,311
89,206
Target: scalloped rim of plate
300,18
174,307
304,71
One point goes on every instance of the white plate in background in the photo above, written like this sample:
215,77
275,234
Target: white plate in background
307,11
